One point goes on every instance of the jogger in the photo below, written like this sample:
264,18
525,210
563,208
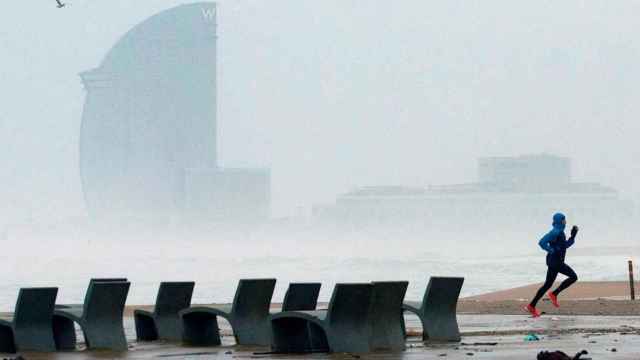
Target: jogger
552,273
555,244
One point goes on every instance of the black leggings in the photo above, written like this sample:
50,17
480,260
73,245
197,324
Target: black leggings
552,273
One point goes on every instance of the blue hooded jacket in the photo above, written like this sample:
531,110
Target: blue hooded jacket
555,242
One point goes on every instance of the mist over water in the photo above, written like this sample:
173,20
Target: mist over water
330,96
217,262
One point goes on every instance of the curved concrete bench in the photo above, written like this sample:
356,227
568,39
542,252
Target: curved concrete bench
100,318
387,323
343,327
29,329
91,281
164,322
248,316
301,296
437,310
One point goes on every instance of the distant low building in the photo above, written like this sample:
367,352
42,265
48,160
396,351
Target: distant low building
525,173
510,190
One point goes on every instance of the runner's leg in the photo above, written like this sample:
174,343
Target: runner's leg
552,273
571,278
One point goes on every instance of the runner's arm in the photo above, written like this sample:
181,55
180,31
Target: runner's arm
572,239
545,242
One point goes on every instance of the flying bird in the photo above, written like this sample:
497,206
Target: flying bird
60,4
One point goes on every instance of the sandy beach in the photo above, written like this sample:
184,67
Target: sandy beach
615,290
606,298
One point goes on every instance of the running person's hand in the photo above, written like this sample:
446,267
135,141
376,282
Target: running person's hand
574,231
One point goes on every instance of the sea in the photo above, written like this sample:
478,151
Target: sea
216,268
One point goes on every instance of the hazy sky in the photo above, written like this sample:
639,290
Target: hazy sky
332,94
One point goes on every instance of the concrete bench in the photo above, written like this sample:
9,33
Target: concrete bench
248,316
301,296
100,318
91,281
386,321
29,328
343,327
437,310
163,321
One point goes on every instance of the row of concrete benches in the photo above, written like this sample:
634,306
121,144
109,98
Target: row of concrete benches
360,317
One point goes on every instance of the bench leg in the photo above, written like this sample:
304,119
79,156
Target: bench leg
404,326
200,329
105,334
440,328
64,333
7,344
36,337
388,332
295,335
344,339
317,338
251,331
145,328
169,327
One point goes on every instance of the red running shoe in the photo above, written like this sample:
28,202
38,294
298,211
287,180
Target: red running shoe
554,299
531,310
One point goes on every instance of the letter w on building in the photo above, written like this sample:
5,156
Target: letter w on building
209,14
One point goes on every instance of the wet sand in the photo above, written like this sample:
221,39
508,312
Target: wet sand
602,307
484,337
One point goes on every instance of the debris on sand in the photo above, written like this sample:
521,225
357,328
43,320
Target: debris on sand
531,337
559,355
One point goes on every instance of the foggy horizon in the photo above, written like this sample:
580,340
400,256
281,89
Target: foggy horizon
412,94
